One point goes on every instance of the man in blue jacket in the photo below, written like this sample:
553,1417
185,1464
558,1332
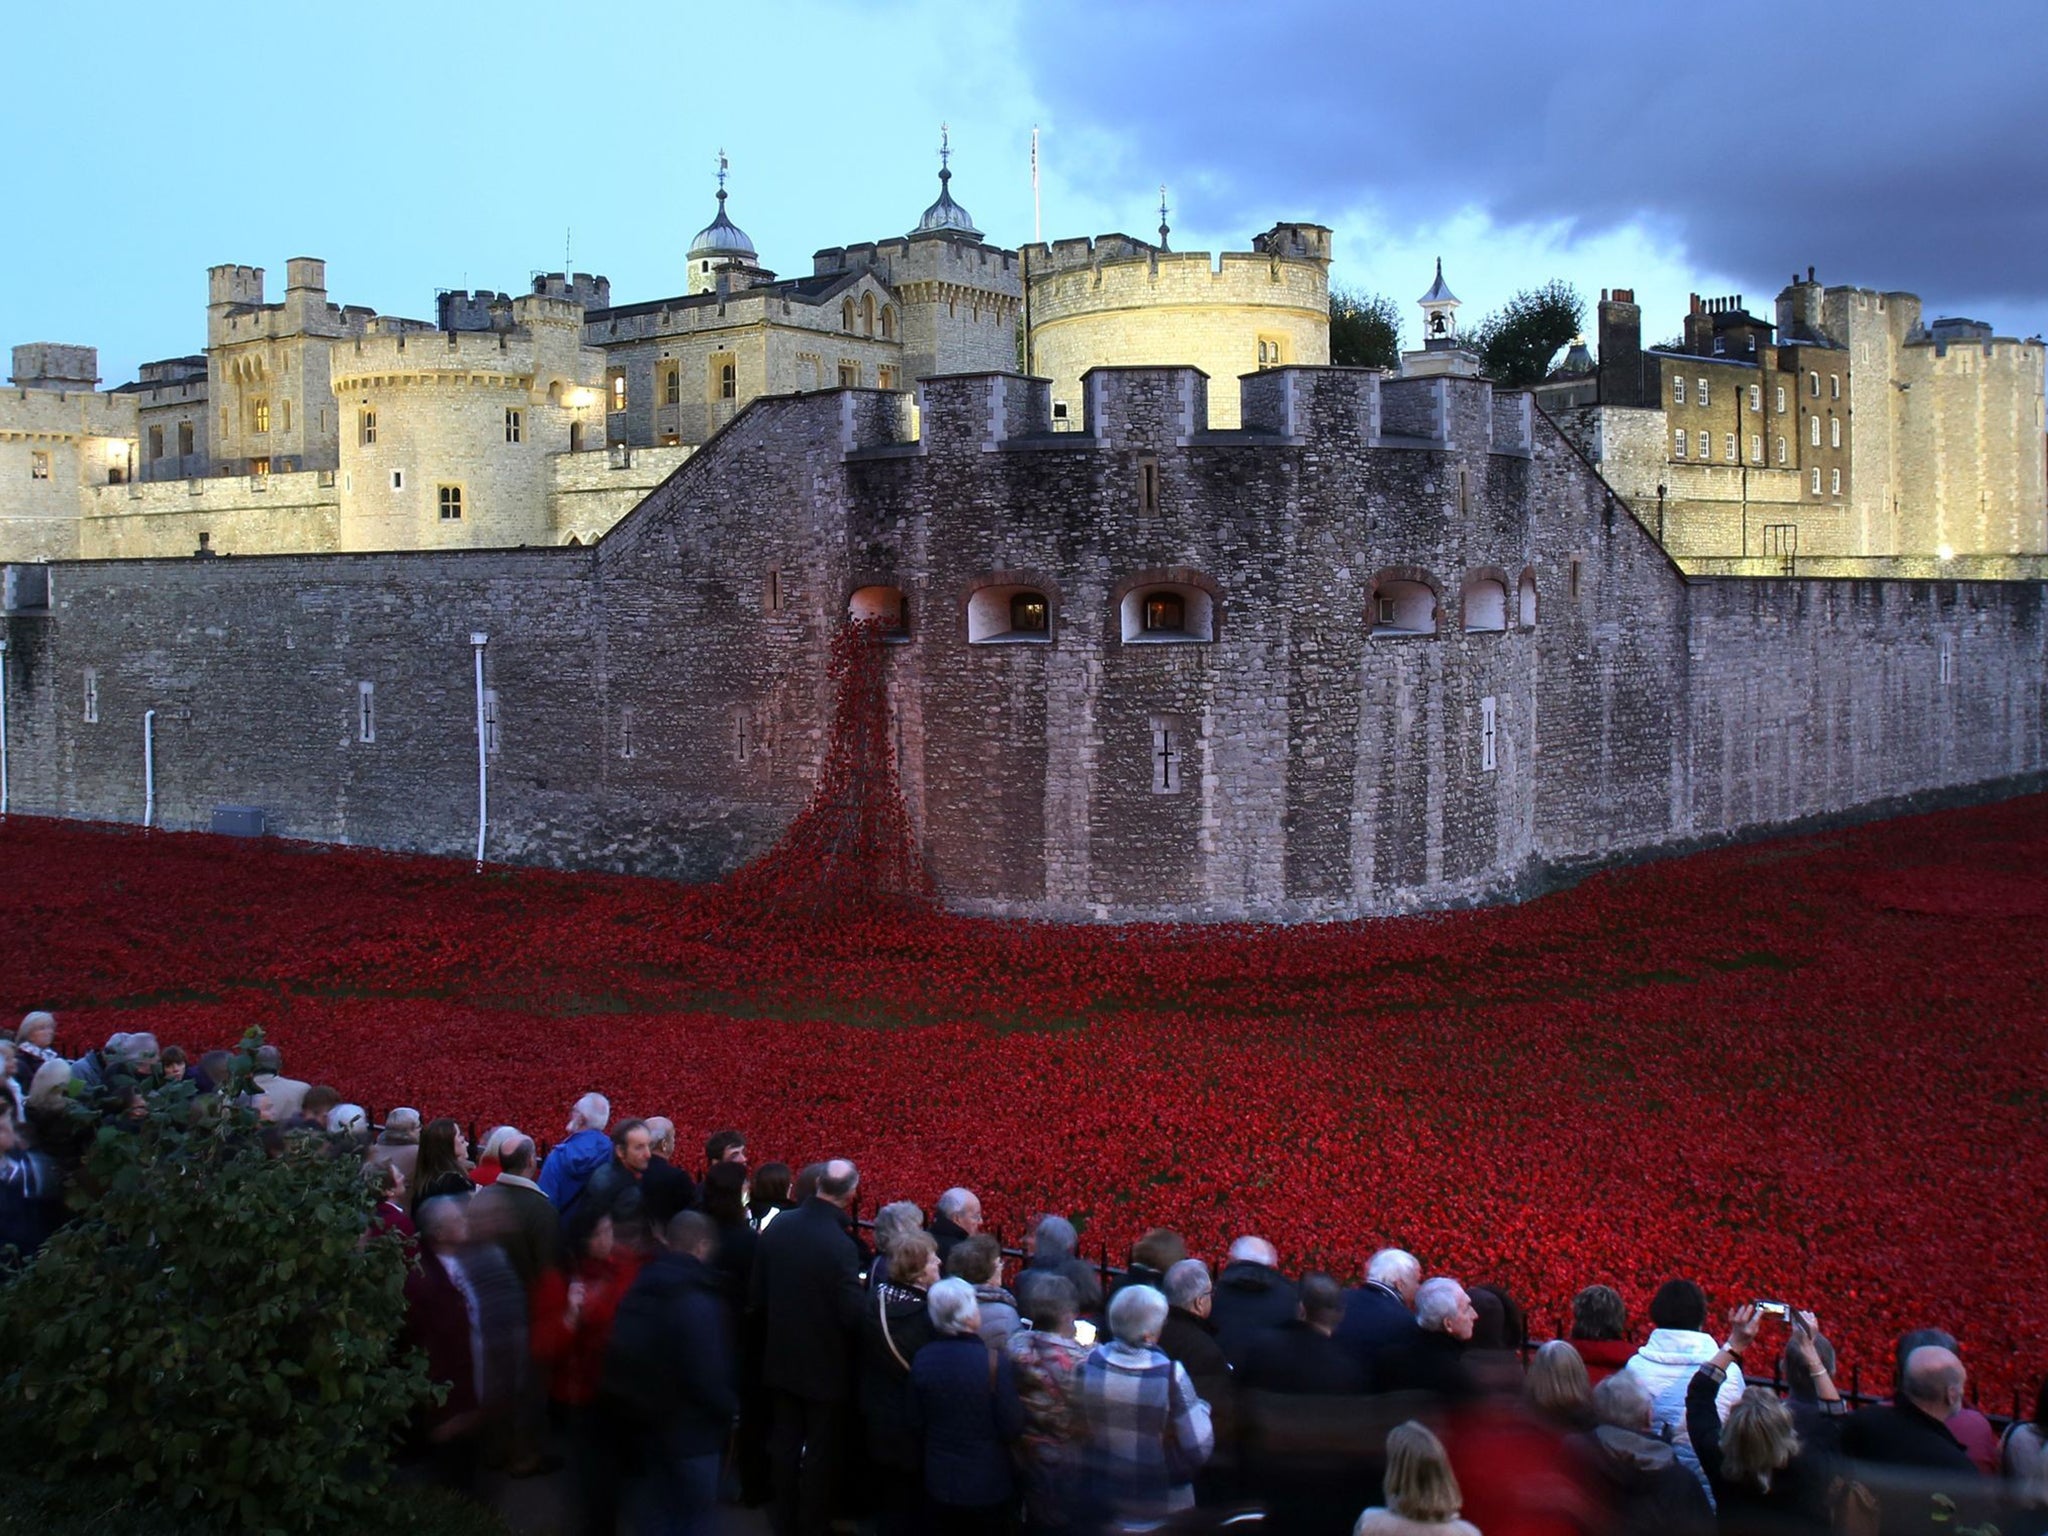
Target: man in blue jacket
586,1149
669,1373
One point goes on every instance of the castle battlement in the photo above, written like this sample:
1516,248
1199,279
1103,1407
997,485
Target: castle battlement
66,414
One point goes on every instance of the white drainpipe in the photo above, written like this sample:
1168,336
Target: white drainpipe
477,641
148,766
3,725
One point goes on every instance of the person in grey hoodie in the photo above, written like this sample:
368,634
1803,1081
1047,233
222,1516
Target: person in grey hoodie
1675,1350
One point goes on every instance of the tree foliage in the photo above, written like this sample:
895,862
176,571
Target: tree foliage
211,1331
1365,330
1517,342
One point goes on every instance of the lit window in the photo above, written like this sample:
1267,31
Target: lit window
1678,440
1165,613
1834,431
515,425
618,391
259,415
38,465
450,498
366,428
1756,397
1678,391
1028,612
885,376
259,466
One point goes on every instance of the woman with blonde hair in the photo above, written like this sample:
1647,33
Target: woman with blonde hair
1422,1493
1559,1388
1762,1473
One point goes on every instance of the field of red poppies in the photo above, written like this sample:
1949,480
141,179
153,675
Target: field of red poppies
1811,1069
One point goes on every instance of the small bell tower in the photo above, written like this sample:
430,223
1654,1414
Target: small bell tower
1443,350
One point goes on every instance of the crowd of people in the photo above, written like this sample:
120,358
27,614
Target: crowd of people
676,1335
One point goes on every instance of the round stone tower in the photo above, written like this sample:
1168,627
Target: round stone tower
1116,300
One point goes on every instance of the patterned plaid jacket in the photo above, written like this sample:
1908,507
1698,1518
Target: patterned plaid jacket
1148,1433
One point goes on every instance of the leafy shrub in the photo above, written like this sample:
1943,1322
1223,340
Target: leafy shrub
211,1332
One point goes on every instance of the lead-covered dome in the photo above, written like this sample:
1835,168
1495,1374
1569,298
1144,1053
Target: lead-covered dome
946,217
721,237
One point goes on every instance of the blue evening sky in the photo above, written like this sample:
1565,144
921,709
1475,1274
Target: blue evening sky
1891,144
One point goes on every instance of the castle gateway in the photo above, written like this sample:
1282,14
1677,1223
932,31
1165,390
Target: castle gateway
1389,644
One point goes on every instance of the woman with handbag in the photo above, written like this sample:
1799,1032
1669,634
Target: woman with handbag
896,1326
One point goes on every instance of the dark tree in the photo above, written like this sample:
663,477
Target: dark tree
1517,342
1365,330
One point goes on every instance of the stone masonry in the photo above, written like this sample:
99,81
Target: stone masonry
1390,645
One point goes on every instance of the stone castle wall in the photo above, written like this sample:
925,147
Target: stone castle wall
661,697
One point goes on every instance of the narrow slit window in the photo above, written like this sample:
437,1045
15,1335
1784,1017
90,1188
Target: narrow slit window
1169,748
366,712
1487,758
92,696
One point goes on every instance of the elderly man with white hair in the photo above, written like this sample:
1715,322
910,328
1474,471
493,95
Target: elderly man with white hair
587,1148
1252,1296
1381,1313
1134,1400
287,1095
1432,1358
957,1218
666,1191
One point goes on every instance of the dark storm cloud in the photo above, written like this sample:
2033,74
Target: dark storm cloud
1895,145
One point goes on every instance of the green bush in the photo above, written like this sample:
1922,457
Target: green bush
210,1333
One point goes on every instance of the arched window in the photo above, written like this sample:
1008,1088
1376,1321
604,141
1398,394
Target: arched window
1527,597
1167,613
846,316
1402,607
884,608
1486,606
867,314
888,322
1009,615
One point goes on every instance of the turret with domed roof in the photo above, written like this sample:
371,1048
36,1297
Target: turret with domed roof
722,249
946,217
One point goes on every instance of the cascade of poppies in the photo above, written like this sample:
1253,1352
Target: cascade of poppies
852,847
